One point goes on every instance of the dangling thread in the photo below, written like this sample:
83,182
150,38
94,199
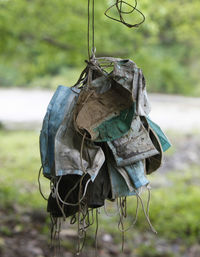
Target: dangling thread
39,184
55,234
146,215
118,4
80,184
88,29
96,232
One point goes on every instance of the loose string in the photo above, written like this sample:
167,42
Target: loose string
118,4
96,232
144,211
93,28
39,184
122,211
79,182
134,221
121,217
88,30
81,197
81,228
55,234
149,199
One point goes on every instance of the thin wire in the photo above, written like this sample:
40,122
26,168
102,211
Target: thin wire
39,184
79,213
134,221
81,151
93,26
79,182
146,215
57,200
118,5
96,233
73,204
88,30
149,199
121,223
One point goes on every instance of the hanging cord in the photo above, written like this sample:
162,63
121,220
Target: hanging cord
121,217
39,184
80,230
55,234
122,210
134,221
118,4
93,29
144,211
148,200
88,30
83,210
78,183
81,154
96,232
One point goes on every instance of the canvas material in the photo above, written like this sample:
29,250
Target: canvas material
99,189
162,137
66,183
136,145
98,113
68,150
96,193
115,127
126,181
127,74
154,162
58,106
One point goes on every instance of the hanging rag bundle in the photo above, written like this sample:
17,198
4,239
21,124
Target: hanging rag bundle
98,143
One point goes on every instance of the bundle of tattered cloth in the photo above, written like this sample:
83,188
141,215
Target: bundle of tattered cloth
97,141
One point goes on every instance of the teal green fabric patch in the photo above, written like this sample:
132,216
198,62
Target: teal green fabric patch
115,127
163,139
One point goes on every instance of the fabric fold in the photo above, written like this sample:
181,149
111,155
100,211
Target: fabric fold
59,105
134,146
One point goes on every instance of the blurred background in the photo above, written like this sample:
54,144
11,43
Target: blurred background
44,44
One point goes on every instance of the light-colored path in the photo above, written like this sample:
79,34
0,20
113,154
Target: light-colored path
176,112
25,109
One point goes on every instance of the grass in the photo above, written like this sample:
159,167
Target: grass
19,165
174,208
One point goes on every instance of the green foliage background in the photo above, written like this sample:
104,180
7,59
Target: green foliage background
41,40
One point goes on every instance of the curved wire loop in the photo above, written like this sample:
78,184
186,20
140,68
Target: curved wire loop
119,4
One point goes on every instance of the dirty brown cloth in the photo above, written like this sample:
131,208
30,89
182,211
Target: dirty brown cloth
134,146
127,74
93,109
68,157
103,138
154,162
